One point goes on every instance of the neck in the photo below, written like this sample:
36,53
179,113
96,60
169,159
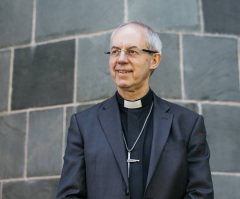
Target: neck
132,95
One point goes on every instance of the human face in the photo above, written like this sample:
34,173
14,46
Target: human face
131,74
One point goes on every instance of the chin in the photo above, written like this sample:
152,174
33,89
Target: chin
122,84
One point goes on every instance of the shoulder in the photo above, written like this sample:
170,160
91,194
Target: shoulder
95,109
178,111
184,121
89,118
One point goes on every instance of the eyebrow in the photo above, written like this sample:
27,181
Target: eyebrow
131,47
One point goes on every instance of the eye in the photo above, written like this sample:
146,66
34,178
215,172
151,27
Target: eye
114,52
132,52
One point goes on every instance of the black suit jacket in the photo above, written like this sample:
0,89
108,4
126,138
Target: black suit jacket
95,164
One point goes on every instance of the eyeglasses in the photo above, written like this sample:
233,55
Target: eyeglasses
132,52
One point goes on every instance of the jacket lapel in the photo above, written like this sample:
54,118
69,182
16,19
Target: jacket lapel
111,123
161,127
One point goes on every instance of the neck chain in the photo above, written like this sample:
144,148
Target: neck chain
129,160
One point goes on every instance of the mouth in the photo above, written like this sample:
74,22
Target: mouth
123,71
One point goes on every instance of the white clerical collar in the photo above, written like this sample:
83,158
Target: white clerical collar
132,104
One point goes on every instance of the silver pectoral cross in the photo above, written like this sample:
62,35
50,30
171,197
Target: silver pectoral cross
129,160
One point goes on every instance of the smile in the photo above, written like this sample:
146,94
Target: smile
123,71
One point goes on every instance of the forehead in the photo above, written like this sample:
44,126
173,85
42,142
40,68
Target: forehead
129,35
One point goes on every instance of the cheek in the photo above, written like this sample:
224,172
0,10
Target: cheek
111,68
142,72
112,63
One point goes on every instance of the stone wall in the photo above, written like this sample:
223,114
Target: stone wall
52,65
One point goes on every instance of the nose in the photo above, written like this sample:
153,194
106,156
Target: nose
122,59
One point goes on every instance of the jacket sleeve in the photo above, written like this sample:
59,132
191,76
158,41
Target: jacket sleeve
199,174
72,183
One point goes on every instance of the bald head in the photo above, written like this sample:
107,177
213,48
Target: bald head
152,39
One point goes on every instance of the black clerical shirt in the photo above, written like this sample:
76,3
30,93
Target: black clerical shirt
132,123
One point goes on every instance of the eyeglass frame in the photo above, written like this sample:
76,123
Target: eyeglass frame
144,50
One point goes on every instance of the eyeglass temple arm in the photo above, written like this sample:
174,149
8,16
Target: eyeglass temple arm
149,51
144,50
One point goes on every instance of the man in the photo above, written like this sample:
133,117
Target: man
136,145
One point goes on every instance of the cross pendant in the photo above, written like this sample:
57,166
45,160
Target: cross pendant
129,160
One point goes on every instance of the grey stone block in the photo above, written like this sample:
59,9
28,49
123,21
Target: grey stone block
12,140
45,142
161,14
226,186
37,189
224,19
16,22
5,57
165,81
57,18
190,106
94,79
43,75
222,123
211,68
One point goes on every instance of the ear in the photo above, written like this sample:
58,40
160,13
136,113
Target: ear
156,59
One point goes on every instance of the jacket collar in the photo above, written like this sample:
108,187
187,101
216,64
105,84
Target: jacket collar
162,121
110,120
